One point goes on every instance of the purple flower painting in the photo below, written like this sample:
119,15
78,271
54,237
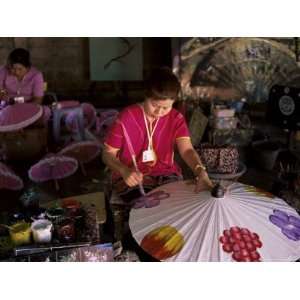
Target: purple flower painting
289,224
150,200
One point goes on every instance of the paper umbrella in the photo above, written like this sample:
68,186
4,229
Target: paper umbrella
247,224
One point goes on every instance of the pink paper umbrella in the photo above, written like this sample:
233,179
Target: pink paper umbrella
53,167
19,115
89,115
83,152
8,179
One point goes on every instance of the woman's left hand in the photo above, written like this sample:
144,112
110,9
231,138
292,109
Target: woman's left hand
203,182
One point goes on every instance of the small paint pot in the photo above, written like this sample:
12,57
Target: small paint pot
42,231
66,230
71,206
20,233
55,215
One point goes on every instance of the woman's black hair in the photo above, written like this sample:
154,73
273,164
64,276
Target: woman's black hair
162,84
19,56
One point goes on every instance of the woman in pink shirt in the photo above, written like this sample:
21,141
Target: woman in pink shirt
19,81
139,148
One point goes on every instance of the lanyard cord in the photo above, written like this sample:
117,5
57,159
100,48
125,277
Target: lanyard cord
150,136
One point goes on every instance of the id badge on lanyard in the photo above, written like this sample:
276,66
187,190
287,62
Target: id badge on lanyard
19,99
148,156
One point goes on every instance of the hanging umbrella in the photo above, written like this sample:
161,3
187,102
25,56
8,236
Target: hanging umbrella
247,224
89,116
53,167
83,152
8,179
19,115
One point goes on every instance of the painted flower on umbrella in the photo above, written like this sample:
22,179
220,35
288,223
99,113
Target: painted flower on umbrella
150,200
289,224
258,192
242,243
163,242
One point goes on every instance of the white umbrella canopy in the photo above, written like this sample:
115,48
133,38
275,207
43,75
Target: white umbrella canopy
247,224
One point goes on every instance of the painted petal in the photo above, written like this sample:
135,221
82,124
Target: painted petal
152,202
294,220
290,234
293,228
138,205
160,195
278,221
281,214
139,202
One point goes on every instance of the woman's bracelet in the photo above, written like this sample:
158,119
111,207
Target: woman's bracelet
199,166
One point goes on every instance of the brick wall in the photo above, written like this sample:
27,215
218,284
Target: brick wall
65,65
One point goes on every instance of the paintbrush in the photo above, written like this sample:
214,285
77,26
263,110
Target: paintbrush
131,150
141,188
27,250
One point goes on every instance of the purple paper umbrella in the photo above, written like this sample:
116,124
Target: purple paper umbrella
83,152
8,179
19,115
289,224
89,116
53,167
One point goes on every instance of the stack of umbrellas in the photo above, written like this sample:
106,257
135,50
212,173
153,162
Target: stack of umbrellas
89,116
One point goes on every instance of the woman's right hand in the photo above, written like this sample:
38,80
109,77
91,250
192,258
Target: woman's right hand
131,177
